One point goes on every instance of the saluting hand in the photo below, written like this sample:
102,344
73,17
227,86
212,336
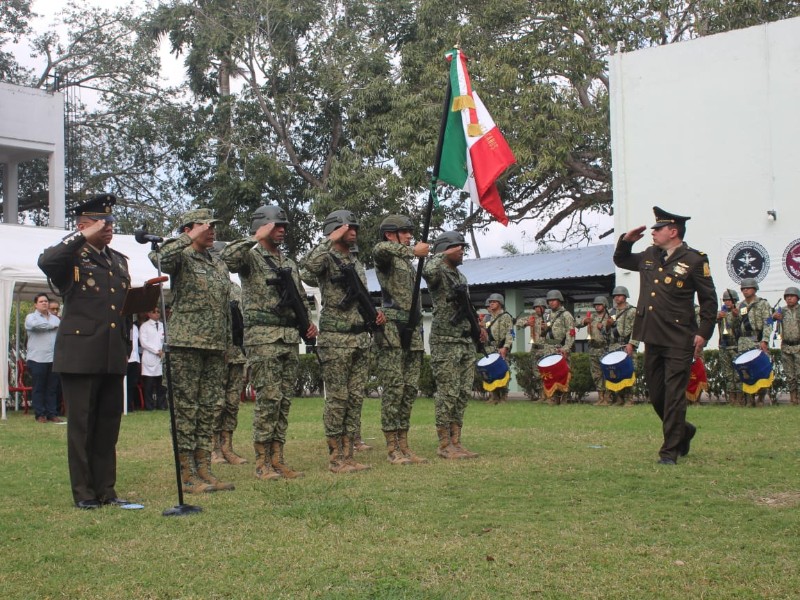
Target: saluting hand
263,232
634,235
199,229
421,249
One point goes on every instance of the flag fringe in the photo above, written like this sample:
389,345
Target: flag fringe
474,130
462,102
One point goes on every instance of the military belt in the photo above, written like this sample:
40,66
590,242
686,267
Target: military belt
266,318
336,326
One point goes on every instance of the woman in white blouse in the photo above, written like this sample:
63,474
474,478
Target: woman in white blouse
151,341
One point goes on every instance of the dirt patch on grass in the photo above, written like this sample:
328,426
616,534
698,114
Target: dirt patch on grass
781,500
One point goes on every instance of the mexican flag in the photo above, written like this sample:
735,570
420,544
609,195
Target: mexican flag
474,153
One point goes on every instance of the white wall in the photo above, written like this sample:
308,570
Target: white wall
711,128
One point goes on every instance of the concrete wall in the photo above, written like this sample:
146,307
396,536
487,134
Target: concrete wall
711,128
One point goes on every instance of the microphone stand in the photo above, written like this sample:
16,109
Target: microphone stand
181,508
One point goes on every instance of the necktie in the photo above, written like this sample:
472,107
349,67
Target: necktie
663,257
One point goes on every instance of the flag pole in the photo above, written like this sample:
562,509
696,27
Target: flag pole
415,312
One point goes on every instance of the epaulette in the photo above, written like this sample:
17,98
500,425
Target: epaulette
695,250
118,252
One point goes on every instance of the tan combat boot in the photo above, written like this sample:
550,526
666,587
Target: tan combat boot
455,439
190,482
394,455
446,448
280,465
202,459
602,398
336,462
358,443
264,470
347,449
226,444
216,451
402,441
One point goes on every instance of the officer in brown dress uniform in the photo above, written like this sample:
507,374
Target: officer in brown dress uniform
670,274
92,348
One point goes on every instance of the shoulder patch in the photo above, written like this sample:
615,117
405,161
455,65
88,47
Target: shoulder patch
706,270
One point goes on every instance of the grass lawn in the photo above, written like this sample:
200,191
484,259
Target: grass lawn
565,502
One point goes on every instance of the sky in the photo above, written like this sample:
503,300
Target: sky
490,242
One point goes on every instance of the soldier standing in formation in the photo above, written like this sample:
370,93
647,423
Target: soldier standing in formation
452,350
623,316
789,319
343,340
535,322
271,336
670,274
753,315
398,369
91,351
559,335
499,327
599,338
729,328
199,335
226,410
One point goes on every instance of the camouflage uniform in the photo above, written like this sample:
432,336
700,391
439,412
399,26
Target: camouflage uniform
754,329
559,336
621,332
199,334
537,348
599,338
226,411
500,329
729,331
343,342
790,349
452,357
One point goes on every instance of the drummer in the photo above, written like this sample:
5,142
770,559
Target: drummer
536,323
753,331
499,327
729,327
670,275
599,337
789,319
559,337
622,315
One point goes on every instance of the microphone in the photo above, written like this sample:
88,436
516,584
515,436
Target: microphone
143,237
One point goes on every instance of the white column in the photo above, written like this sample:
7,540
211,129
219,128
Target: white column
55,176
11,192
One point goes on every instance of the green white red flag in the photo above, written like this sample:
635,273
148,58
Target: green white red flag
474,152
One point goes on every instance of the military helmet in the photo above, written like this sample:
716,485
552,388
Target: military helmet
336,219
446,240
601,300
620,290
539,302
555,295
496,298
394,223
791,291
267,214
749,282
730,295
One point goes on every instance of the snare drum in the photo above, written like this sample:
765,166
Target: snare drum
618,370
555,373
755,370
494,371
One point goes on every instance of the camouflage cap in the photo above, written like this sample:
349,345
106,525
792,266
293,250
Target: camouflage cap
199,215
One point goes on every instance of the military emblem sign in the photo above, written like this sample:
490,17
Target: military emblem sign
748,259
791,260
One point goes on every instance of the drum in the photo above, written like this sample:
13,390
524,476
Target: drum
754,369
698,381
494,371
555,373
617,368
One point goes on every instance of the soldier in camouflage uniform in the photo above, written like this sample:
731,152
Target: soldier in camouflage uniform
599,338
271,336
789,319
753,312
398,369
499,327
559,335
452,350
536,323
729,327
343,339
199,334
226,410
622,315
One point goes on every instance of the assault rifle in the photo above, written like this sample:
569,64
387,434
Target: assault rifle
291,298
355,291
467,311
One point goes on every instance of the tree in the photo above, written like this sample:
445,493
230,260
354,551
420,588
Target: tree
14,24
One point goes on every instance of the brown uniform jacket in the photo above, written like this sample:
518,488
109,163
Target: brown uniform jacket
665,313
92,337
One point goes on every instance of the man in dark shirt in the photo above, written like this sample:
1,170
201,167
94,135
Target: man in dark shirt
670,274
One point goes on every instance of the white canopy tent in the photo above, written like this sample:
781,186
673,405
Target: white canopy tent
20,277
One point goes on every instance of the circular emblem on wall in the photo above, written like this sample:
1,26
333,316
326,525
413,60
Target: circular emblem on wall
791,260
748,259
